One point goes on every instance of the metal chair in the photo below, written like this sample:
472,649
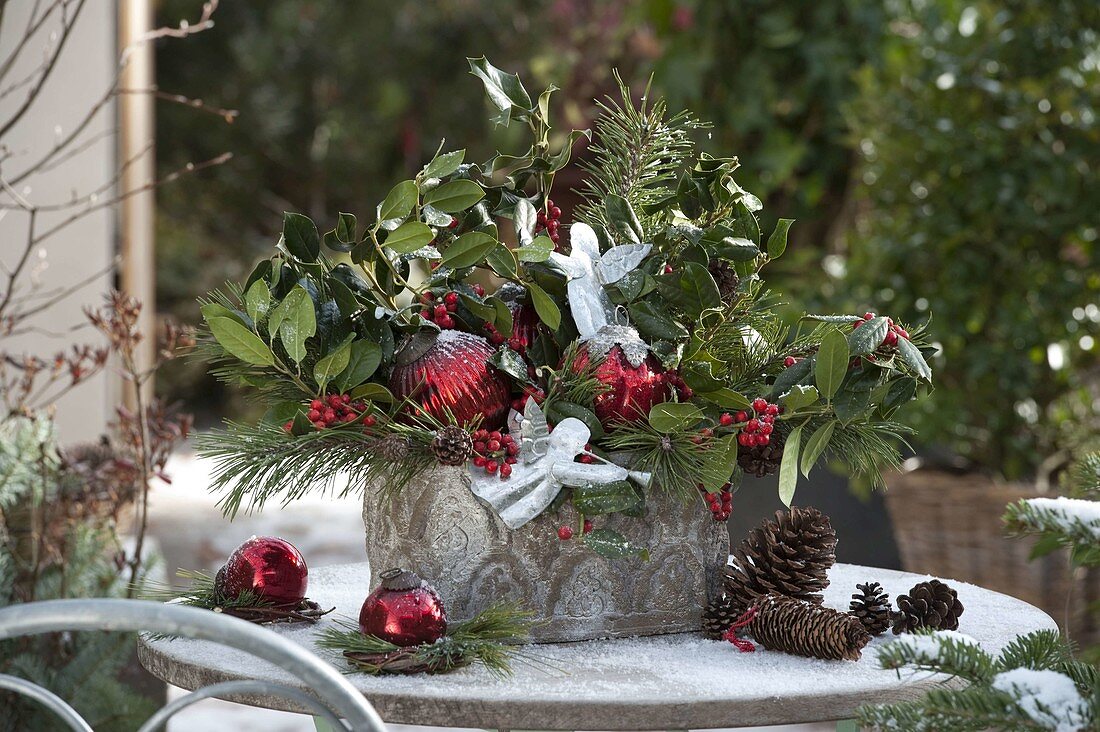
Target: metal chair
332,698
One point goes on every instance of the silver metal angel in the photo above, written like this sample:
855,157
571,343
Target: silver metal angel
588,271
546,464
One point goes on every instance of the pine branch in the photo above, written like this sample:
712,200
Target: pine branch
1059,522
866,448
638,153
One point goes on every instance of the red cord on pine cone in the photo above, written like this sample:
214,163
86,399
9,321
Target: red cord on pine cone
742,644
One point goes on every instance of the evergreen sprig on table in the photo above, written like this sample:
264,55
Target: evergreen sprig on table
490,639
249,606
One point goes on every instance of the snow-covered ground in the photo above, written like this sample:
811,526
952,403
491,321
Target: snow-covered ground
191,533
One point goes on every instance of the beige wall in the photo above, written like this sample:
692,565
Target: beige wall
82,75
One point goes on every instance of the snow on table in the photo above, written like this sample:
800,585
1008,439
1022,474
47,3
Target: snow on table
677,681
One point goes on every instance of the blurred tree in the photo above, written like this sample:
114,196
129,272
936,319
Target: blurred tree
980,144
773,78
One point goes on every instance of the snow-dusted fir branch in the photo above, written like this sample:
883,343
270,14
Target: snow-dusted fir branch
1034,684
1074,519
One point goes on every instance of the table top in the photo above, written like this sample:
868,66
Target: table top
680,681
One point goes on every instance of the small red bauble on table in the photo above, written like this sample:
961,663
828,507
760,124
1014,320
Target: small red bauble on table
270,568
404,610
449,371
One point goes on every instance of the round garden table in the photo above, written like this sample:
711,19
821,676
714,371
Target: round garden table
679,681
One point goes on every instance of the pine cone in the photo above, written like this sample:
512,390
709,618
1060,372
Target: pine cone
394,448
794,626
719,614
789,555
761,460
725,277
871,606
929,604
452,445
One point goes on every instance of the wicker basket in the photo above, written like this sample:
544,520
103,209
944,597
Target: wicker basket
949,525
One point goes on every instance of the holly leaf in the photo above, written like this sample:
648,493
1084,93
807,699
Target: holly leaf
300,237
240,342
510,363
364,358
257,301
372,392
777,242
299,323
816,445
399,201
913,358
831,363
409,237
867,337
799,396
719,463
468,250
537,250
545,306
559,410
621,216
443,165
504,90
613,545
655,322
669,417
332,364
598,499
788,467
458,195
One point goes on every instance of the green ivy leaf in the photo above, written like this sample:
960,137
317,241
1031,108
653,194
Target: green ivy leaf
598,499
816,445
788,467
257,301
300,237
443,165
505,90
364,358
332,364
913,358
777,242
545,306
458,195
409,237
399,201
468,250
831,363
299,323
621,216
240,342
670,417
613,545
867,337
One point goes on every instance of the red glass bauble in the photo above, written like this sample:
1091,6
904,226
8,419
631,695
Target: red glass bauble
449,371
271,568
525,324
404,610
631,390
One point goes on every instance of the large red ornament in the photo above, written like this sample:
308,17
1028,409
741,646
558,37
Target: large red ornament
271,568
450,371
404,610
631,390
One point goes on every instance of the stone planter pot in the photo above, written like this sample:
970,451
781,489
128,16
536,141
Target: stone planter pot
436,527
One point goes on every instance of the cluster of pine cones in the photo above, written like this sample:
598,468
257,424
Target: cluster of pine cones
777,576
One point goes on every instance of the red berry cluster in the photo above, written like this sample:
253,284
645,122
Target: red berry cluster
565,533
549,219
721,503
495,452
893,331
528,392
759,425
439,312
335,410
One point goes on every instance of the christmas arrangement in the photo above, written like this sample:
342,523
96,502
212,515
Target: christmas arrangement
263,581
579,374
403,630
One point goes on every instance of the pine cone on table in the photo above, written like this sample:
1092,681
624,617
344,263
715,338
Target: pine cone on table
725,277
871,606
719,614
796,626
930,604
789,555
452,445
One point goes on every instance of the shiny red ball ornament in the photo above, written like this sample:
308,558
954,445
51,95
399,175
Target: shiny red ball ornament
269,567
632,391
449,371
404,610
